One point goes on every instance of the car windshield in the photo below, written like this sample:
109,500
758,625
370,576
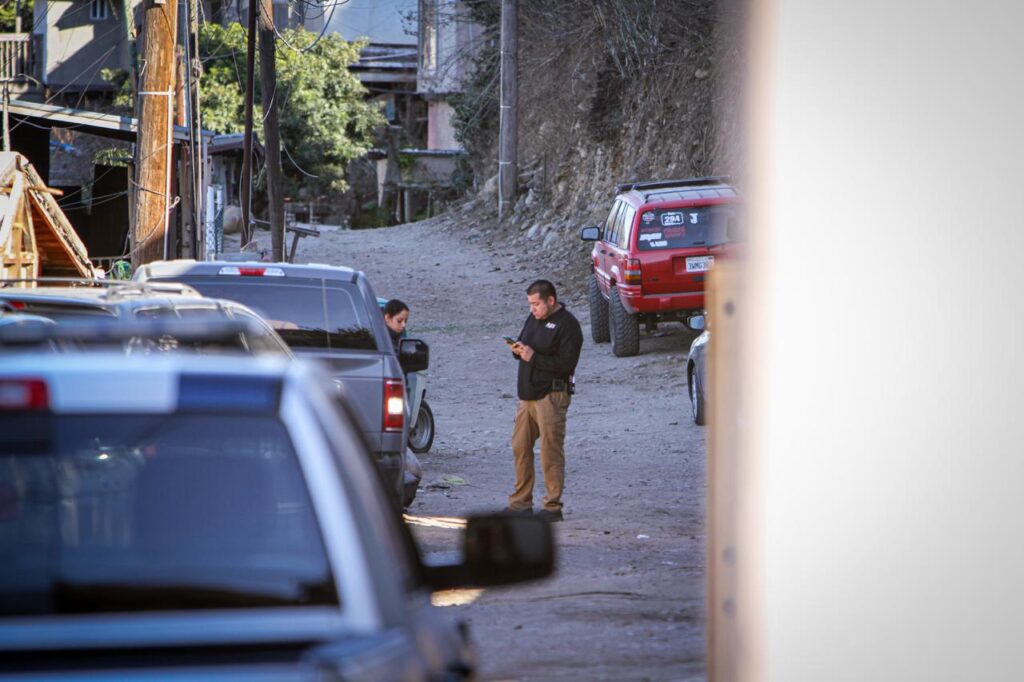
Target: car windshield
103,513
680,228
306,313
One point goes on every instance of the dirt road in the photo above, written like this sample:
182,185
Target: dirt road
628,599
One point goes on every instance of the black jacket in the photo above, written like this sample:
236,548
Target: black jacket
556,342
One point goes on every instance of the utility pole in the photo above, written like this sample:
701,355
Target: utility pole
508,134
245,181
153,149
271,132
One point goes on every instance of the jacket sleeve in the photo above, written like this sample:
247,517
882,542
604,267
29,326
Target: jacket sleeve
564,360
519,338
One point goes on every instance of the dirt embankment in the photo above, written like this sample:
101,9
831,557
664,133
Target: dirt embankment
609,91
628,600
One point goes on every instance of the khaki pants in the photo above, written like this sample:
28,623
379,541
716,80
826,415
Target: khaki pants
544,418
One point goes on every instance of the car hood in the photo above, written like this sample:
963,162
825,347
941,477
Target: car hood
170,629
296,646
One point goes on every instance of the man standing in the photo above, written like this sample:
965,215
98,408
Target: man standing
548,349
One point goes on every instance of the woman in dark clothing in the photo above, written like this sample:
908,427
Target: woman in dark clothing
396,316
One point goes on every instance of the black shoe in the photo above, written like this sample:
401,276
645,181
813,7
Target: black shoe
552,516
521,512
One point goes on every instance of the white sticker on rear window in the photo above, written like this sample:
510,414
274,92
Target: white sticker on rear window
651,236
661,243
673,218
648,217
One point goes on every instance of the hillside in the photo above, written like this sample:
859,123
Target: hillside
609,91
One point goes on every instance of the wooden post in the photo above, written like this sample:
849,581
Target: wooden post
153,150
508,134
245,181
271,133
724,464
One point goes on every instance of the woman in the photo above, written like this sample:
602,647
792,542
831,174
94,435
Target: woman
396,316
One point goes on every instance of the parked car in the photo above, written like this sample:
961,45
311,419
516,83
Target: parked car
421,422
651,256
696,368
196,517
135,303
329,313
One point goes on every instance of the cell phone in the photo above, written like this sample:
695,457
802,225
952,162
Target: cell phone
509,340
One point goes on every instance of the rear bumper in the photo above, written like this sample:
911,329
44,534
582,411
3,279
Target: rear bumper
392,469
634,301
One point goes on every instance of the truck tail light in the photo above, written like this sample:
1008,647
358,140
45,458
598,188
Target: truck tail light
23,394
235,270
394,404
632,274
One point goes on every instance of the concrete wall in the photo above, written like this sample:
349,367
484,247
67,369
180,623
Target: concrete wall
76,47
448,40
440,133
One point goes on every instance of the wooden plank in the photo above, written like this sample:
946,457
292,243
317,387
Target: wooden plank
67,247
723,471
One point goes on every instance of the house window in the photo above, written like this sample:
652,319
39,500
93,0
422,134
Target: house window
98,10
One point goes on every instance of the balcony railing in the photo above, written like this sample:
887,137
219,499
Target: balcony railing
17,58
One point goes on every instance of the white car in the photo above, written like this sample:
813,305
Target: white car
219,517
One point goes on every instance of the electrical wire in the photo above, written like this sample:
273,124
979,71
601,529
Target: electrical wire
297,166
323,31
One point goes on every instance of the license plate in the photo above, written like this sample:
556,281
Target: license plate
699,263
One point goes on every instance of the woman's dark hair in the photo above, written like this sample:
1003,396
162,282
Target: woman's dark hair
393,307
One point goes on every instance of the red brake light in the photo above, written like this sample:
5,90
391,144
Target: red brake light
250,271
23,394
394,404
632,273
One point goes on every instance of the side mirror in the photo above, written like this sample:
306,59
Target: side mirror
498,549
696,322
413,355
591,233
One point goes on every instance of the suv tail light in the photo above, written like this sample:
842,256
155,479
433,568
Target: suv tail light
632,274
23,394
394,404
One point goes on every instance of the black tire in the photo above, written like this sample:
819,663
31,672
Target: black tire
409,494
598,313
625,328
697,399
421,435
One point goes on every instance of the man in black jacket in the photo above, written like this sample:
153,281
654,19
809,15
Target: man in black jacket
547,350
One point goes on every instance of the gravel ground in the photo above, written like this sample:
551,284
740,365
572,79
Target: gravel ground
627,602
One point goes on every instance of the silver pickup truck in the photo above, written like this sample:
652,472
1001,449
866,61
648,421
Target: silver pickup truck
330,313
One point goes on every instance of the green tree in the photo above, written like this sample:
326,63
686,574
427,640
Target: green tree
8,8
326,119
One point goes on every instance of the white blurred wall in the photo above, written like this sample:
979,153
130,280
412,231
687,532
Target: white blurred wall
881,528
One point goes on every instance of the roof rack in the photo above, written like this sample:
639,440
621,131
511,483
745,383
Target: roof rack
667,184
70,281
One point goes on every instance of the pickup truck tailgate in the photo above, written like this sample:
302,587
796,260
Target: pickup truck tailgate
362,376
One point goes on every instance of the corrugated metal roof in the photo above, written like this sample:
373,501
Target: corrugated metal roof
95,123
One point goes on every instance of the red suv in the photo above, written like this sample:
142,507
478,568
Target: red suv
652,254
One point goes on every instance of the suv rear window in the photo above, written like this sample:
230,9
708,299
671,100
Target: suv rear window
307,313
153,512
680,228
